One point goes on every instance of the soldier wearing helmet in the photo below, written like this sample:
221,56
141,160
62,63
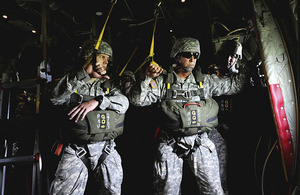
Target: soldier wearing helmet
89,45
228,55
227,58
104,52
126,81
95,111
188,114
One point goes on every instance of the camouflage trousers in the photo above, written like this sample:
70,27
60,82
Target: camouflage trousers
221,148
72,175
203,162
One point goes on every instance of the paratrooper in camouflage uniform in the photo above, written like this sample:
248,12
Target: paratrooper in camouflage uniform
226,64
126,81
86,156
188,115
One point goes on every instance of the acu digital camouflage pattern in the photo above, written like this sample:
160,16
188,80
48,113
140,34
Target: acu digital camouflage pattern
204,160
89,46
72,174
221,147
186,44
81,82
203,163
128,73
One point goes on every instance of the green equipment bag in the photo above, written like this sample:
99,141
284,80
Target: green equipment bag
98,125
189,118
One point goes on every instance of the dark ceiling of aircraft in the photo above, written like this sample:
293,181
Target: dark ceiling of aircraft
129,26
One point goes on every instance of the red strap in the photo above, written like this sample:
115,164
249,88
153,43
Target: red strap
58,148
156,132
191,104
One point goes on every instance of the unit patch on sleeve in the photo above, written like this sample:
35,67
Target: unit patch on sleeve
153,84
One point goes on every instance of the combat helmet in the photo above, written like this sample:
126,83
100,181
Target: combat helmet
230,47
186,44
130,74
89,46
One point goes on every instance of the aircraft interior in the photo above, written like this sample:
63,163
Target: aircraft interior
40,41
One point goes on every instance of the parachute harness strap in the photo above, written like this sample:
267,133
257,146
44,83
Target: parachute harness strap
100,36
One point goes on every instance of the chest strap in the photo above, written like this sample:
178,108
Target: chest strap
78,98
182,94
175,94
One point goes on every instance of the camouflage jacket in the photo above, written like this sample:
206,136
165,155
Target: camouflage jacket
81,83
143,93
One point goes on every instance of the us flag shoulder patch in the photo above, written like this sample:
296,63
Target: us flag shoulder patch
153,84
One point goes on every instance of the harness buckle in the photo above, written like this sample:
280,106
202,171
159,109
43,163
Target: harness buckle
107,149
80,98
171,141
198,140
80,152
187,94
197,143
174,94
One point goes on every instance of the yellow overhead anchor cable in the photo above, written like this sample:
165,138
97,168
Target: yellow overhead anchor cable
100,36
151,54
120,74
128,61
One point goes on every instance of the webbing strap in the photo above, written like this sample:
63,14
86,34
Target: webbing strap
82,152
169,80
128,61
78,98
105,152
151,53
100,36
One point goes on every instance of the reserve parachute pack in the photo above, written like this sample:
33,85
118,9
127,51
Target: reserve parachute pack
98,125
183,116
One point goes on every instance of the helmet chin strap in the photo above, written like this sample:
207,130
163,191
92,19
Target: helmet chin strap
186,69
183,68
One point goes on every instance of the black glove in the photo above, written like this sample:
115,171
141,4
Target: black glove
99,99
